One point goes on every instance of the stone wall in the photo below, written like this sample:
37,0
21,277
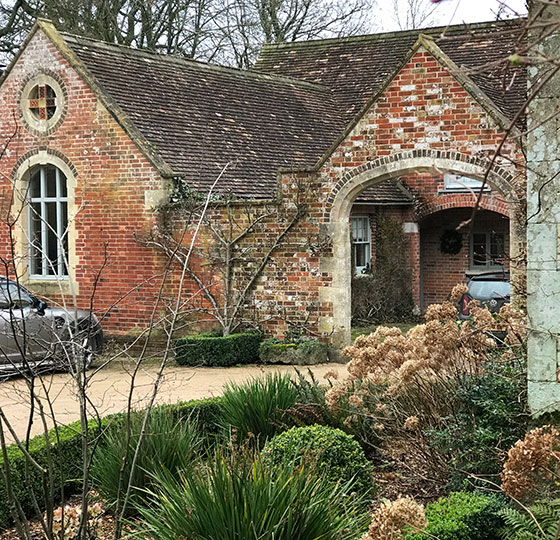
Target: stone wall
543,226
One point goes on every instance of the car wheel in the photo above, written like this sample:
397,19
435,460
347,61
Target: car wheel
81,349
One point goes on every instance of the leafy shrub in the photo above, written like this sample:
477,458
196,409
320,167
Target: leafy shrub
66,448
257,407
220,351
492,416
306,352
167,444
336,456
521,526
463,516
236,498
65,453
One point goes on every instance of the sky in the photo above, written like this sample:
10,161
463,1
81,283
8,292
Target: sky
459,11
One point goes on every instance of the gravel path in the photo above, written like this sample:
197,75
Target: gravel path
109,389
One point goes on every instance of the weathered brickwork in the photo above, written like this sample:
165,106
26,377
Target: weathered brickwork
422,110
111,177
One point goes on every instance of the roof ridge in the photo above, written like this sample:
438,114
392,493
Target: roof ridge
455,28
125,49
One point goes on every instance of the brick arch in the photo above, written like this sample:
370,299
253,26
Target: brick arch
462,200
42,150
383,168
336,295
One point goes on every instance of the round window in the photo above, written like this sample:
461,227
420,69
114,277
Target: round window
42,103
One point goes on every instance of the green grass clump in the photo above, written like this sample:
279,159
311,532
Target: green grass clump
237,498
257,407
168,445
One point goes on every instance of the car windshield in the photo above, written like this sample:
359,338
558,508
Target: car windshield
12,295
486,290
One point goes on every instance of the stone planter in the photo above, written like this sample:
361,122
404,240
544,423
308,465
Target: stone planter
302,354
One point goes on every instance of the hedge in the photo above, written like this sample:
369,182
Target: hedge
463,516
219,351
67,455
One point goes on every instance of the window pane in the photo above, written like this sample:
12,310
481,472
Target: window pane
486,290
497,250
362,255
35,184
64,236
52,239
35,238
360,229
479,249
62,184
50,174
18,296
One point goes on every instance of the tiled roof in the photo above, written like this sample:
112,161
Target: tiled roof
388,192
284,114
198,117
355,68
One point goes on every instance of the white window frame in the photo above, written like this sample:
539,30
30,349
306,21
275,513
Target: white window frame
61,232
488,265
455,183
363,241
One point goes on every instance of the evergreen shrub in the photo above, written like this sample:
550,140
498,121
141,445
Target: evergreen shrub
463,516
220,351
335,455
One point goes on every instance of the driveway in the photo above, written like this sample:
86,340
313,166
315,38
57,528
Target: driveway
110,386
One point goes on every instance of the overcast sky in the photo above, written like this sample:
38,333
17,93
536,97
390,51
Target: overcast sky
459,11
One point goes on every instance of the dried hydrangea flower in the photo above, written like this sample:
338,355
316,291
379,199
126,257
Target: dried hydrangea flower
395,518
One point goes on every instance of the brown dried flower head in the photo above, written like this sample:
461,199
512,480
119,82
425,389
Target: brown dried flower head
536,456
393,519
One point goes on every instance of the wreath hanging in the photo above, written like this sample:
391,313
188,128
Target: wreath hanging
451,242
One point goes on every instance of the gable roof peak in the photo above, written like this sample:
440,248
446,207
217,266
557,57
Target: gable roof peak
154,56
429,32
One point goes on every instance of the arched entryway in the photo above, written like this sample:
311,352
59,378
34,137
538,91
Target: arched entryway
344,193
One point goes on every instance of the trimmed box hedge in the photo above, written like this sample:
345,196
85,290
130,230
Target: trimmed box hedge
463,516
219,351
27,480
67,454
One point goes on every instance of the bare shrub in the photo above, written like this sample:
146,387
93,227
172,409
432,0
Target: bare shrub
400,387
386,294
532,461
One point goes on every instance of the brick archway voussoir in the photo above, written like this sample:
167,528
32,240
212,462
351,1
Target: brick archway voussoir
451,201
401,163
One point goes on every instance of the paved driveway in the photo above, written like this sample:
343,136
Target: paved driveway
109,389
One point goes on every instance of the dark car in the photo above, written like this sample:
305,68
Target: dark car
491,289
36,337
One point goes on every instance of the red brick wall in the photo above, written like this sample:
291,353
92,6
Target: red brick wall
422,108
112,178
442,271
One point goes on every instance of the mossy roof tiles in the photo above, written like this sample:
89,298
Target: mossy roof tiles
285,113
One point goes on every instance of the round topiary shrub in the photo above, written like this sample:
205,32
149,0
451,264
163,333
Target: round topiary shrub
336,455
463,516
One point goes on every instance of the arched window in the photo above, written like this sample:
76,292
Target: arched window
47,220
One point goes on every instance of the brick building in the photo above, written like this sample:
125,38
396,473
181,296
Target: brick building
402,125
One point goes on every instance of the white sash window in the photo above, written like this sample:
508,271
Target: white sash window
361,244
47,223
